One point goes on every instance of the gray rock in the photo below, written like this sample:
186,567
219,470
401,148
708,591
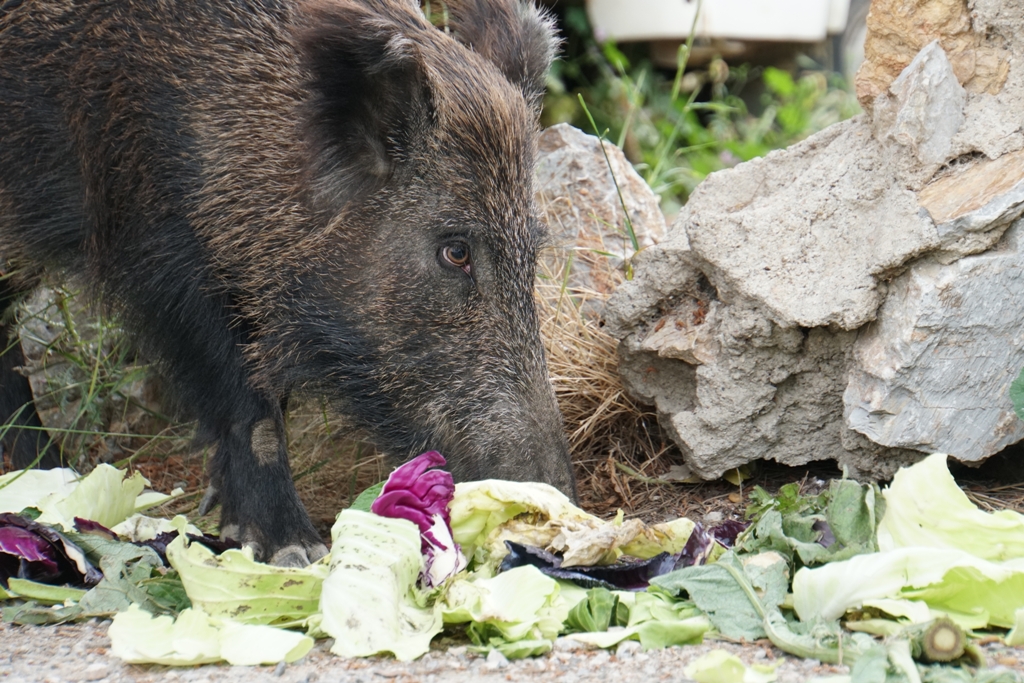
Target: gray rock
495,660
578,186
973,206
924,109
627,649
745,326
933,372
808,232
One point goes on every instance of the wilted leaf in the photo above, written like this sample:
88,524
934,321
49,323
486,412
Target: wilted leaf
234,586
732,597
626,574
34,551
719,666
33,614
41,592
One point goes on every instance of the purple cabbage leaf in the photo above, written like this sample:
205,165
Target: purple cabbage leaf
420,493
33,551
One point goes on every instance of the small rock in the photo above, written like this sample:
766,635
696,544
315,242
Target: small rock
496,660
923,109
579,196
714,517
94,672
569,645
279,669
627,649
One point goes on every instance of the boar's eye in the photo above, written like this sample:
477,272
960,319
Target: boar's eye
457,255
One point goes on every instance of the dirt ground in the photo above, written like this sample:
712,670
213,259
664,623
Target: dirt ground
80,652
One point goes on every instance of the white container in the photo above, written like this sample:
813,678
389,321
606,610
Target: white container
783,20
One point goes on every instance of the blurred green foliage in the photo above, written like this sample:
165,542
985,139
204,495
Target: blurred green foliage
677,128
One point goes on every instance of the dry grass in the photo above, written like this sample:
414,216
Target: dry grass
609,433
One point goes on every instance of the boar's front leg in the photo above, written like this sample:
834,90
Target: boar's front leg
251,478
249,472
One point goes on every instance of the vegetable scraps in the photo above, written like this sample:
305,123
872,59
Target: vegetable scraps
511,564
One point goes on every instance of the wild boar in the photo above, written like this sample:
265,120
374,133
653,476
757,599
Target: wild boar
322,197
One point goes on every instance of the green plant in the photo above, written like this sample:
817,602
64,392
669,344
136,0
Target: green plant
87,381
678,127
1017,395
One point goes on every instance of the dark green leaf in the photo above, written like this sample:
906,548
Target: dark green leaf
1017,394
734,598
365,499
32,613
594,613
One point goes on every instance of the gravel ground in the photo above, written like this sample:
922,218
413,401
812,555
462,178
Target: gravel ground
79,652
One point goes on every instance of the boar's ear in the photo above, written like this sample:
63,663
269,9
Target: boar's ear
518,37
370,97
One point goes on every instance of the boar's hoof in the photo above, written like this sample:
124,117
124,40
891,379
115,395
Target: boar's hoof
210,500
297,556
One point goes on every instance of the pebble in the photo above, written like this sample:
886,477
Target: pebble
496,660
714,517
95,672
569,645
627,649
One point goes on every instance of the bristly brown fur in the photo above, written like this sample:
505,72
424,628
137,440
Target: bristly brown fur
268,192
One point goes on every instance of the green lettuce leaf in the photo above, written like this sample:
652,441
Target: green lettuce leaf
719,666
106,495
951,581
44,593
520,604
654,619
370,601
733,594
937,548
792,524
925,507
365,499
22,489
195,637
1015,637
234,586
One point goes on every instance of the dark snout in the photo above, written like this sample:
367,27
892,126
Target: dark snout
519,439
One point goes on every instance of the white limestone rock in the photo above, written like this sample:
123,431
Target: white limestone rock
933,372
579,200
923,110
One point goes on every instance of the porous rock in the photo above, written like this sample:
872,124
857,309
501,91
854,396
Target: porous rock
808,232
899,29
